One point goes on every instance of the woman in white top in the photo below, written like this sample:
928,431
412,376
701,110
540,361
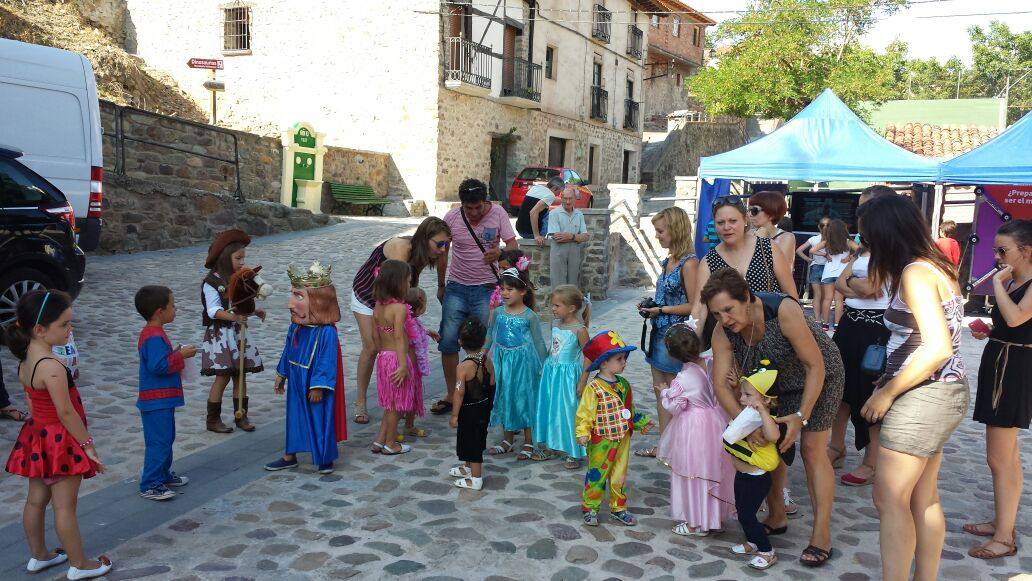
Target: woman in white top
815,270
862,325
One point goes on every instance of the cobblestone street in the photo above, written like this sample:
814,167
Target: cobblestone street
382,516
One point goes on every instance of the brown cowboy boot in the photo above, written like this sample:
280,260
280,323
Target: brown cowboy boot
242,422
214,420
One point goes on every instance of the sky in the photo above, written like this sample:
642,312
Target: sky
941,38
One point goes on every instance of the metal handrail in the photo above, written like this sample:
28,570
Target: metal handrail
635,37
599,104
467,62
521,78
601,23
121,138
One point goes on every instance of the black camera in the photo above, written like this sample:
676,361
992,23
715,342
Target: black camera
646,303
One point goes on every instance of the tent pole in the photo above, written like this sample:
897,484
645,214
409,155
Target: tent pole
938,202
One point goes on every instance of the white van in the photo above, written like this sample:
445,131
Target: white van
49,110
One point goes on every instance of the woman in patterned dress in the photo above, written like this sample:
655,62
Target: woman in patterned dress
755,326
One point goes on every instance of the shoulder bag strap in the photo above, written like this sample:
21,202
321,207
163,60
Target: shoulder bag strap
480,244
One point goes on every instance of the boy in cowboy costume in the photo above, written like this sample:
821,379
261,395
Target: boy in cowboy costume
605,420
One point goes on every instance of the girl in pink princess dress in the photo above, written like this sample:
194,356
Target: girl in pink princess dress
702,476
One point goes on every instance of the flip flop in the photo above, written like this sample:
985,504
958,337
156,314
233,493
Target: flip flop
361,414
441,407
13,414
403,449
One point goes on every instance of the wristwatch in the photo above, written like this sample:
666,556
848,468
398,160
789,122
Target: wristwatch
805,421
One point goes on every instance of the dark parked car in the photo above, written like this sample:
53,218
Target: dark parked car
37,236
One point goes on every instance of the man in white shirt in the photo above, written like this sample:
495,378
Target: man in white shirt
532,216
568,232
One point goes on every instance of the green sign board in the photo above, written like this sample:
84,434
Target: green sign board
304,138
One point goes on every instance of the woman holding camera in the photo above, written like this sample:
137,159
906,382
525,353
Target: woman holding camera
671,303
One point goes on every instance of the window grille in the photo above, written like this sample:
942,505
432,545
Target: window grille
236,34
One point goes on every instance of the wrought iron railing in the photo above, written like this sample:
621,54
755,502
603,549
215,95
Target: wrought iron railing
599,104
602,23
630,119
467,62
634,41
521,78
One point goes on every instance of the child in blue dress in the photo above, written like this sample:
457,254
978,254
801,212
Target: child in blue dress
558,395
517,351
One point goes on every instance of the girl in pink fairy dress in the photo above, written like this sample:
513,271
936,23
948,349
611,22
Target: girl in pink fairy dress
399,384
702,476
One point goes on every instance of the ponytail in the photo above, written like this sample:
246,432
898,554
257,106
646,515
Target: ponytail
36,307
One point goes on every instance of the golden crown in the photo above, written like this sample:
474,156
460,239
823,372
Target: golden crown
316,276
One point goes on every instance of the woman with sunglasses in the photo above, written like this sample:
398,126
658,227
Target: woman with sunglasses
427,247
923,394
1003,401
766,209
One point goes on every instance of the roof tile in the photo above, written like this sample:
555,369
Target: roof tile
938,140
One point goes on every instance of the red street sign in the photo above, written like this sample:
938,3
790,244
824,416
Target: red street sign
212,64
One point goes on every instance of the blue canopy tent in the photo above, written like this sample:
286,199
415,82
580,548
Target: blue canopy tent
826,141
1006,159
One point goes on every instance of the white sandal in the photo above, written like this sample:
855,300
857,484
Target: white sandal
764,560
470,483
498,449
686,531
460,472
746,549
37,565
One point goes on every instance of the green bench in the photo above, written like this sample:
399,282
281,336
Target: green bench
358,195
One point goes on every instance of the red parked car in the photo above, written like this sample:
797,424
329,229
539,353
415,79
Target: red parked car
539,176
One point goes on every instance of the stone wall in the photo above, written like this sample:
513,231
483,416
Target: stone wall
468,123
683,148
149,215
594,278
636,254
260,157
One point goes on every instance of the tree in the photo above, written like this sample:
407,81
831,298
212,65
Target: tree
1002,65
785,52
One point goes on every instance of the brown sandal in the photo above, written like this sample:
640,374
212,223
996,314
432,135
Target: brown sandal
979,529
982,551
13,414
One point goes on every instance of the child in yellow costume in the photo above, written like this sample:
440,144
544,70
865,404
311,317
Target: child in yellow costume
605,420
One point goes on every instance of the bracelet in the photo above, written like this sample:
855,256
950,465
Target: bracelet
88,442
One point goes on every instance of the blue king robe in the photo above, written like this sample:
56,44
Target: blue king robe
312,360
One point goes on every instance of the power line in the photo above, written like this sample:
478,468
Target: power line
975,14
874,4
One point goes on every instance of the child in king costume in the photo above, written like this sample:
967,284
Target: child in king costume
312,369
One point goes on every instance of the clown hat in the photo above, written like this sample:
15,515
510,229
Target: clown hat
763,377
603,346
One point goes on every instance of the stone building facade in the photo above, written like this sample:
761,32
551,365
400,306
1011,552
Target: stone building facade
448,89
677,42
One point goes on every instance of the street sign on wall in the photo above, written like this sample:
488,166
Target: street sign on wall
210,64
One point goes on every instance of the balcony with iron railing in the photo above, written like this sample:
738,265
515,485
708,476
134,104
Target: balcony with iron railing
635,38
521,83
599,104
467,67
601,23
630,120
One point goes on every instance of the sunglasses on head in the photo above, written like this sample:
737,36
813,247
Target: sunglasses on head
730,200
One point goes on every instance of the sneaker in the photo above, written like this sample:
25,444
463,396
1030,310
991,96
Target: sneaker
623,517
158,493
281,464
177,481
791,508
326,468
591,518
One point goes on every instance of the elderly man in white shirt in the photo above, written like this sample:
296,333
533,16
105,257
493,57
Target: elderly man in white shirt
568,233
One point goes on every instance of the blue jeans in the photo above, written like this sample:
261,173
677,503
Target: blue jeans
462,301
159,431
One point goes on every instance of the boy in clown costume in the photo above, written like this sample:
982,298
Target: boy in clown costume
605,420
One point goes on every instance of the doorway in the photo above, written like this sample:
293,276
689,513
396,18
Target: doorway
497,186
626,174
556,152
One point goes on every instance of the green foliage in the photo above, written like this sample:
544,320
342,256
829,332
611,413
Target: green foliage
785,52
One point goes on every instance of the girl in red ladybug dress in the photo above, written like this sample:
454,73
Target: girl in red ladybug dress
53,450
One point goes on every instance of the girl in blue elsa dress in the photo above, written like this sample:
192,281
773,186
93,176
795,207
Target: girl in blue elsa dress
517,351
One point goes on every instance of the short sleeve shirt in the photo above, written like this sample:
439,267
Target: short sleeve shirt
466,263
572,223
819,258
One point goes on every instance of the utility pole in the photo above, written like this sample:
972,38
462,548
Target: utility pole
959,71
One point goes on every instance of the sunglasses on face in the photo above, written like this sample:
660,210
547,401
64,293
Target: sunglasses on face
731,200
1000,250
443,244
755,210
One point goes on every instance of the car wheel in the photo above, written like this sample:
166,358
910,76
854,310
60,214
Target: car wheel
16,284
